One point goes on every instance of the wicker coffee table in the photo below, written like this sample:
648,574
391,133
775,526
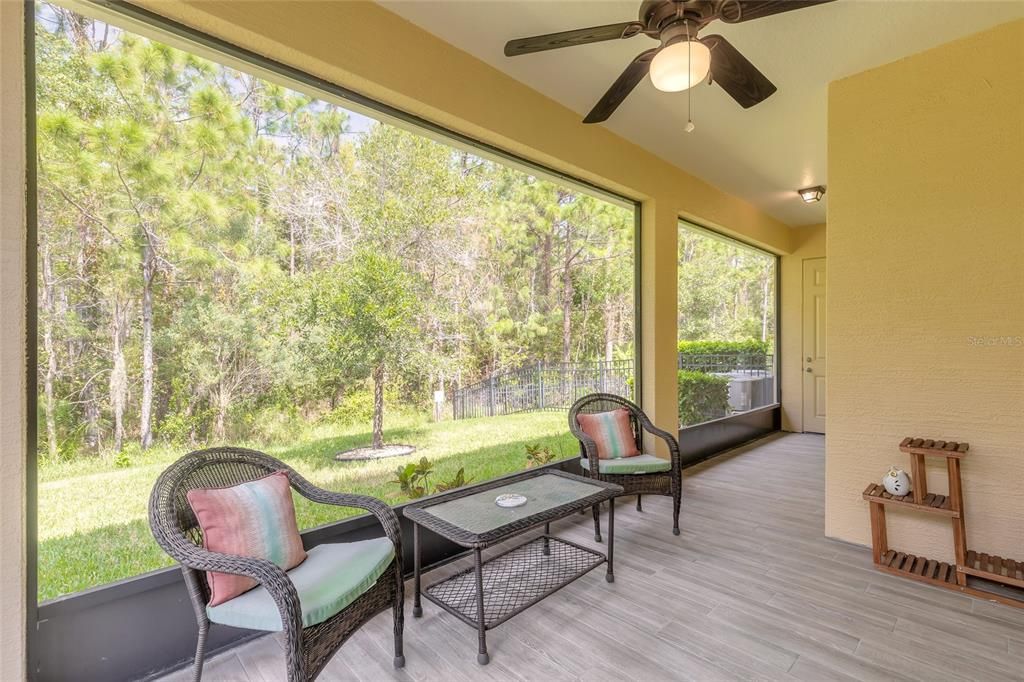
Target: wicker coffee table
492,591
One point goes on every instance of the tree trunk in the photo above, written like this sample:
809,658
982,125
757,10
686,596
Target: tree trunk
567,296
545,271
220,396
223,401
51,358
92,418
689,249
291,248
118,372
148,368
86,309
378,406
764,307
609,331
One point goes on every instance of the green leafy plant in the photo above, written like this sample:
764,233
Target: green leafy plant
536,455
724,356
702,396
123,458
413,478
750,346
457,482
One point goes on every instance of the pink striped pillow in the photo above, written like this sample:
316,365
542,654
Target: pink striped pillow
253,519
612,433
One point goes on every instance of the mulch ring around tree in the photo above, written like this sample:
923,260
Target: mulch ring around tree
361,454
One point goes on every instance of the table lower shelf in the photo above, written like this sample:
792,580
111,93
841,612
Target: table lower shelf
514,580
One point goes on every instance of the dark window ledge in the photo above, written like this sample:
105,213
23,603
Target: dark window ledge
703,441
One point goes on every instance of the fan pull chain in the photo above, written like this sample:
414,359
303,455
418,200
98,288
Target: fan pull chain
689,74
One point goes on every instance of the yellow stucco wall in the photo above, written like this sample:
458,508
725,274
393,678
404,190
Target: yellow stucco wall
809,243
12,343
926,284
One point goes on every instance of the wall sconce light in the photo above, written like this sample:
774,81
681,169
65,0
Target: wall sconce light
811,194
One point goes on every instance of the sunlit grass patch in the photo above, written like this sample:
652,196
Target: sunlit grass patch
92,514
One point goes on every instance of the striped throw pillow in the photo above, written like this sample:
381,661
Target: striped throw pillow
252,519
612,433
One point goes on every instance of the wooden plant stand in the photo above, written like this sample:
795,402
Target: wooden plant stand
923,569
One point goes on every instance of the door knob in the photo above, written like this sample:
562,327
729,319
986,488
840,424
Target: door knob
809,359
808,370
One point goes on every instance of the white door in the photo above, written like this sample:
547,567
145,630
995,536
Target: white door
814,345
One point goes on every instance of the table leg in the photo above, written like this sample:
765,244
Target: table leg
481,657
547,532
610,576
417,609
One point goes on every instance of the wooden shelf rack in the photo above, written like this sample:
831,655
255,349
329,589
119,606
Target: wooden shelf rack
918,568
998,569
968,563
931,504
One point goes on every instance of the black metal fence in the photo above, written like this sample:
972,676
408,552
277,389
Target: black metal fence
557,385
542,386
725,363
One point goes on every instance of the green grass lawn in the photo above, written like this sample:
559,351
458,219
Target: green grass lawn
92,515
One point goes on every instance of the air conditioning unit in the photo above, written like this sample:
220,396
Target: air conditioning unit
750,392
741,393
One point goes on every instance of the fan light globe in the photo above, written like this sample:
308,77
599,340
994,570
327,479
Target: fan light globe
680,66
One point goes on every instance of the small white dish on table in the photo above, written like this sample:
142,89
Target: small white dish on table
510,500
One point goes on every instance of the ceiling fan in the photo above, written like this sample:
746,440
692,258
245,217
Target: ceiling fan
682,59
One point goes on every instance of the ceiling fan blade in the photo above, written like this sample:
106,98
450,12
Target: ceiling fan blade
738,11
581,36
622,86
735,74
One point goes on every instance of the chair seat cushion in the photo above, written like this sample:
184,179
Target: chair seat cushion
640,464
332,577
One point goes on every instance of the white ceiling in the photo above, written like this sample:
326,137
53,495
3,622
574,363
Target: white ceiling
761,154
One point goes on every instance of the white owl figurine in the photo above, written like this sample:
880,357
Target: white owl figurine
897,482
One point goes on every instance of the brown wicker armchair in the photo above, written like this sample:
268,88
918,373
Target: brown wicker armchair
668,482
308,649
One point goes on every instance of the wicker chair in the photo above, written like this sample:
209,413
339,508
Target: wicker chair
667,483
308,649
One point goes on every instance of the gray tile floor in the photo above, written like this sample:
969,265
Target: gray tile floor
750,590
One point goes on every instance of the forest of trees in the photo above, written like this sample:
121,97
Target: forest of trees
726,289
220,256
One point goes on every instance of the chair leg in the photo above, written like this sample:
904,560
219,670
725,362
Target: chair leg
639,506
397,612
398,609
676,500
597,522
197,665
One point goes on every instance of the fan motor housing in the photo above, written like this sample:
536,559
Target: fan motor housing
658,15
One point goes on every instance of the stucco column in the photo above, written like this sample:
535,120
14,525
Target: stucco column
12,343
658,238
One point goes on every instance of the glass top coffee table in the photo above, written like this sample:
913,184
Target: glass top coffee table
492,591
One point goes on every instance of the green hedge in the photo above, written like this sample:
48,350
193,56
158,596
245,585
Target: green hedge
702,396
723,356
748,347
